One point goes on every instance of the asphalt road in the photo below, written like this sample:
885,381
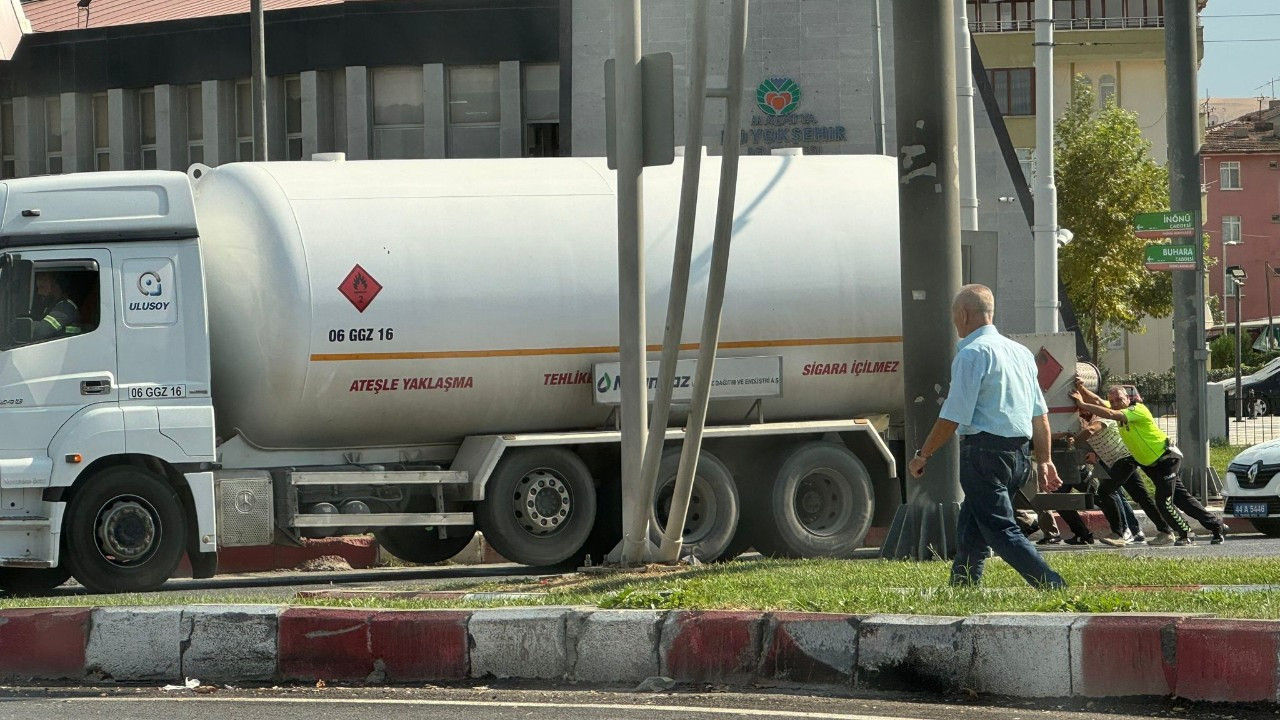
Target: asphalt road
491,703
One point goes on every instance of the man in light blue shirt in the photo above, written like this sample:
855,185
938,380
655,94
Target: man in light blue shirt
996,405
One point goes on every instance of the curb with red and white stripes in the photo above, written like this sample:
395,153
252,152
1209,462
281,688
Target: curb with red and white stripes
1017,655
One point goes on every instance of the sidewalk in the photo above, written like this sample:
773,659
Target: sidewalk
1018,655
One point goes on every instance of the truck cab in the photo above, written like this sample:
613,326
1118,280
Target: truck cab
105,405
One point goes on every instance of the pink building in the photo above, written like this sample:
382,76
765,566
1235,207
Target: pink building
1241,166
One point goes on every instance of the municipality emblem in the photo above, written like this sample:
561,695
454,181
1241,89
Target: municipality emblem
778,96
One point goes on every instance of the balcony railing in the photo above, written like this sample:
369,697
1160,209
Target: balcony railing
1117,23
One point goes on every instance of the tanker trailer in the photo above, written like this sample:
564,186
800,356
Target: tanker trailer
419,349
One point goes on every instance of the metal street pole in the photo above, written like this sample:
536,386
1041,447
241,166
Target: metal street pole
877,70
679,295
1267,272
669,551
1046,205
631,328
929,220
258,59
1190,354
964,120
1239,347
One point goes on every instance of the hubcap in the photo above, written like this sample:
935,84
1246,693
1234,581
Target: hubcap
542,502
128,530
823,502
701,516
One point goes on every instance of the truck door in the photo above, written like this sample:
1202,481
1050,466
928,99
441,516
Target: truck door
57,352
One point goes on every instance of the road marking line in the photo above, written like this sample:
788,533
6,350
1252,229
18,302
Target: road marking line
515,705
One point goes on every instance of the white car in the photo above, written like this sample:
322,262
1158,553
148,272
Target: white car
1252,487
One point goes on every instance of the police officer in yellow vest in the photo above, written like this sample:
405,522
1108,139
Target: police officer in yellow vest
1159,459
61,316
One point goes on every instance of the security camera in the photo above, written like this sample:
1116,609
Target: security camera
1064,236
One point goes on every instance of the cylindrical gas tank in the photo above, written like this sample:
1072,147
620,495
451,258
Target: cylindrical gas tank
375,303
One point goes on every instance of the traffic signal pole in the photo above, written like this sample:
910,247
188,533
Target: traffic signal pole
924,36
1190,354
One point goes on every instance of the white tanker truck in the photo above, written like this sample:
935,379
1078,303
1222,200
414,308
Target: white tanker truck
270,352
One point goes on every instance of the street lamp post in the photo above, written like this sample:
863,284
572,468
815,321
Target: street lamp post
1237,276
1271,335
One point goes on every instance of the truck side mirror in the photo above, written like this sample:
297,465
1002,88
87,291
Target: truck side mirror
19,286
21,330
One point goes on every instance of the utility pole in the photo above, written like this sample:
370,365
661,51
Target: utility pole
636,498
877,70
1190,354
929,219
964,120
258,59
1046,205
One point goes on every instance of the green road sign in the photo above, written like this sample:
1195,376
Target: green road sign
1164,225
1171,257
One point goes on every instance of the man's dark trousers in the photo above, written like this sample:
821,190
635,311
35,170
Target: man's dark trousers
1124,474
991,469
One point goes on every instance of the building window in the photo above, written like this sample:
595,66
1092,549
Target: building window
53,134
1106,89
195,124
1230,236
8,159
474,112
541,110
293,117
147,127
101,133
398,113
1027,160
244,121
1015,90
1229,175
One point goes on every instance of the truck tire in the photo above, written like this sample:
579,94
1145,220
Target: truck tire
1267,526
20,582
124,531
820,505
539,506
423,545
713,514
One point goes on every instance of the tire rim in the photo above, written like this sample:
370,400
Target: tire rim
698,522
128,531
542,502
823,502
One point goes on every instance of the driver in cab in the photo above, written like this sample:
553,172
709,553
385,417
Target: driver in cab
61,316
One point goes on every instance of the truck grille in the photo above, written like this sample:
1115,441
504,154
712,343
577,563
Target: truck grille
245,511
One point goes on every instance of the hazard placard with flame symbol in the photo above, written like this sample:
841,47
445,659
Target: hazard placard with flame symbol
360,288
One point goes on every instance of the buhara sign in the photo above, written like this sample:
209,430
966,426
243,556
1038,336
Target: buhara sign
1171,257
779,125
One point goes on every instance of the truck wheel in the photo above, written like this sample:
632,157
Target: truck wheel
124,531
422,545
712,519
539,506
820,505
1267,526
20,582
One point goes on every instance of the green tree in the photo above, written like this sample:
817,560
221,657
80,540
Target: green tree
1105,175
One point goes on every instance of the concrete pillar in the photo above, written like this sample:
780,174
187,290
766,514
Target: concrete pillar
219,99
171,127
357,83
28,136
77,132
435,112
277,147
317,114
510,131
122,119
